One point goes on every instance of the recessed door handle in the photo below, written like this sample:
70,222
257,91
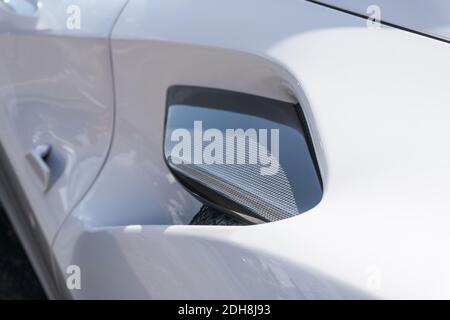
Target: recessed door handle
38,162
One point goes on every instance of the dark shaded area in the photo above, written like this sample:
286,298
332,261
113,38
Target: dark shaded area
17,277
211,216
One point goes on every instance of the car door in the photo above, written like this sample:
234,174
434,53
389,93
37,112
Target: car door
56,110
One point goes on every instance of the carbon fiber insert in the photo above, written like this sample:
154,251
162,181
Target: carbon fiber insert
270,181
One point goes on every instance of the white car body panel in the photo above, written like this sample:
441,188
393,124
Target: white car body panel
430,17
50,17
62,94
377,103
56,87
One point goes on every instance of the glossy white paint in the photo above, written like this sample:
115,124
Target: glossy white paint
430,17
60,17
377,101
56,88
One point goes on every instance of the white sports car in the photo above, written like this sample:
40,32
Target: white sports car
238,149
